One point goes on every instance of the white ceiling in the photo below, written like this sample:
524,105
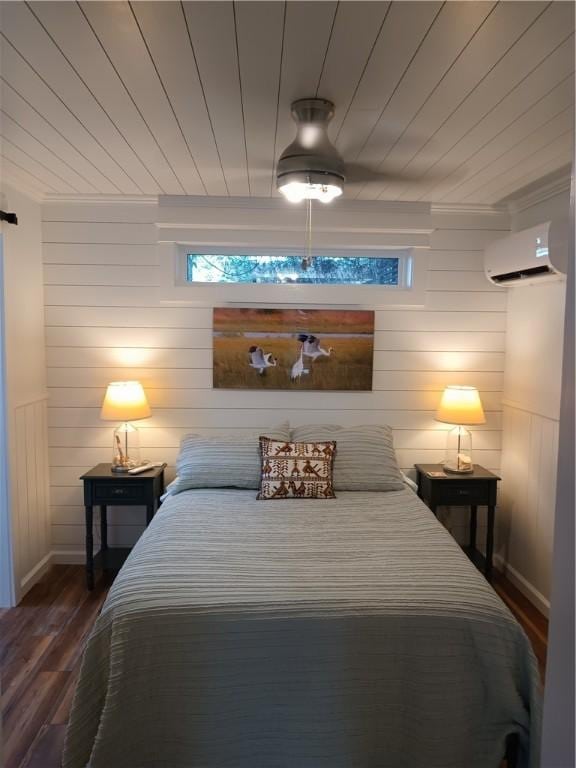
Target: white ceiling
472,100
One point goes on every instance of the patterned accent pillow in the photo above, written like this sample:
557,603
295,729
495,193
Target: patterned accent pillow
296,470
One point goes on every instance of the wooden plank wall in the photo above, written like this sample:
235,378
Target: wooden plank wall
105,320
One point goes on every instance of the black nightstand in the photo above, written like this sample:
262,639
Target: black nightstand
477,488
105,488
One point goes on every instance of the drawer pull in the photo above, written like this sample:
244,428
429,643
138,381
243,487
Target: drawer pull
118,491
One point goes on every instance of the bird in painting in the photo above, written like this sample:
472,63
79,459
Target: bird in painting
311,346
261,360
298,369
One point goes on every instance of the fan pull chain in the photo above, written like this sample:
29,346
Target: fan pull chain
307,261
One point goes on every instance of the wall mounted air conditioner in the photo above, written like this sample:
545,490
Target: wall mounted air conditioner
530,256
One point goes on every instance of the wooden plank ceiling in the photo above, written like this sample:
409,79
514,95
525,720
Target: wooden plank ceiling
467,102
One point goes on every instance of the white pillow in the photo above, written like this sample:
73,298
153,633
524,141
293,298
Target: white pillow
365,457
226,461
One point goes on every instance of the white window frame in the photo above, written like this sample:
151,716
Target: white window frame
404,256
176,289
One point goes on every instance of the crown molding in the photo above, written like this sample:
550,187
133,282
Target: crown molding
555,187
101,199
276,203
545,192
479,209
280,204
254,203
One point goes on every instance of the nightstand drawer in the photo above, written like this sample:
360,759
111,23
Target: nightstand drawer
461,493
466,492
128,492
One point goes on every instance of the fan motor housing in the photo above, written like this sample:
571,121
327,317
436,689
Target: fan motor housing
311,157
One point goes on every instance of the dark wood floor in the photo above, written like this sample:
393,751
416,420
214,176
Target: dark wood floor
41,643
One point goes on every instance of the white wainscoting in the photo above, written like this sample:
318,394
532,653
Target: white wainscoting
105,320
528,498
29,491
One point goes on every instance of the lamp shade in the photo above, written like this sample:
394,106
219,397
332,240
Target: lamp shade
125,401
460,405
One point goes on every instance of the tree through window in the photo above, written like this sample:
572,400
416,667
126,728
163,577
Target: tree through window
390,270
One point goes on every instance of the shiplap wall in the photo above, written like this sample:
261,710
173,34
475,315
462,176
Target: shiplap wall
106,319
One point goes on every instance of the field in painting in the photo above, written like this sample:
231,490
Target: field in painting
317,321
349,366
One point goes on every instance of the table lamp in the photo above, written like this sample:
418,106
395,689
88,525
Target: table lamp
125,401
461,406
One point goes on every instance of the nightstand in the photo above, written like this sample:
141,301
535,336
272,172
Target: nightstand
105,488
474,489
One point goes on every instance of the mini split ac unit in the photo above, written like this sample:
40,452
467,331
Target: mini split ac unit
530,256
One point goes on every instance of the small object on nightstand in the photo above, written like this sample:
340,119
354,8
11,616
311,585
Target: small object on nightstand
102,486
145,467
477,488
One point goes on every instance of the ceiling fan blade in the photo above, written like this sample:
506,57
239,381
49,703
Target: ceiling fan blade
356,173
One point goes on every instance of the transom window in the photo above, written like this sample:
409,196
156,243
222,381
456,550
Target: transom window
392,270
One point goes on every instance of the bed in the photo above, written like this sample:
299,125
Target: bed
346,633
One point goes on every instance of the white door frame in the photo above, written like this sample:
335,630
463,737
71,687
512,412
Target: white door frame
7,591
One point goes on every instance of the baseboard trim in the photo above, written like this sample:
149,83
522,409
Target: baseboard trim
28,581
68,556
520,582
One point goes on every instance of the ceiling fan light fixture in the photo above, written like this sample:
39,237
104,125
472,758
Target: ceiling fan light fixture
297,187
310,168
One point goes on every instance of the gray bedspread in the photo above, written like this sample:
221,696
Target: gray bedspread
346,633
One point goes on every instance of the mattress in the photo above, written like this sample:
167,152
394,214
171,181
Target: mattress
345,633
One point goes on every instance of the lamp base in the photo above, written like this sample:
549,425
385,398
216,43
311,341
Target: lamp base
454,470
458,458
126,448
119,469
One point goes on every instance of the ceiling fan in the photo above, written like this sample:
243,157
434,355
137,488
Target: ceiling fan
310,168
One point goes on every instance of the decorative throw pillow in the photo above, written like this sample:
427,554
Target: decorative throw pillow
366,460
296,470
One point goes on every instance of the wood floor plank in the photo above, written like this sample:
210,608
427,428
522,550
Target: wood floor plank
62,713
31,613
67,651
46,751
41,644
24,719
19,669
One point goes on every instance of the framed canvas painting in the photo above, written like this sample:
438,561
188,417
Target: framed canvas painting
307,349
